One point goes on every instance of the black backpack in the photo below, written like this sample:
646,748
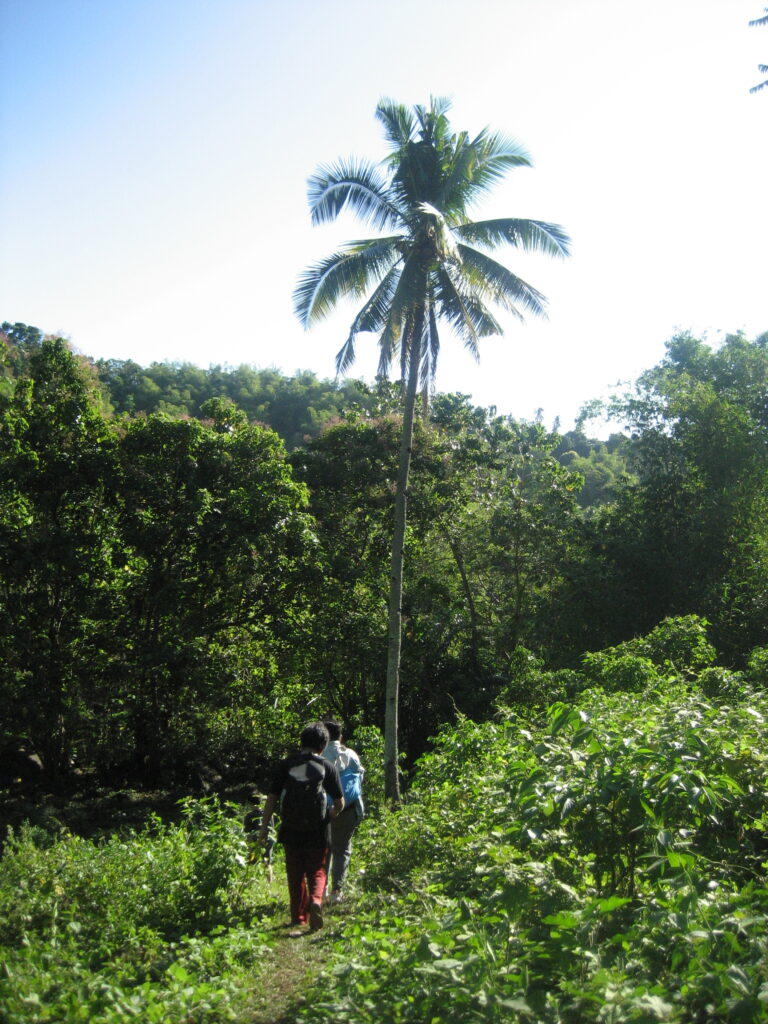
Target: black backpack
304,806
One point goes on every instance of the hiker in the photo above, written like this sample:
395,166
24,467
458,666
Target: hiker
302,784
343,826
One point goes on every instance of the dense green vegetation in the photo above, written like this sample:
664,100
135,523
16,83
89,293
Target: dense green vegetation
185,578
606,862
585,639
603,859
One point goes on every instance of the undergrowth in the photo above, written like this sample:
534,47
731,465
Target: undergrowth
608,865
597,861
156,926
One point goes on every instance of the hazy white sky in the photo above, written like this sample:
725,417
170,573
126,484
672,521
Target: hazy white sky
154,156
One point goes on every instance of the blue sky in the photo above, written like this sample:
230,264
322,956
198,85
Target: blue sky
155,156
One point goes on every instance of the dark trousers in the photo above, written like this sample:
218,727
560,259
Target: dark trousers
307,871
342,829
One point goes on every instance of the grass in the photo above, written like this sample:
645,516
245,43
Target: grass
291,968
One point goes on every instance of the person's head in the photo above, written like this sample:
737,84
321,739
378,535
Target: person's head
314,737
334,728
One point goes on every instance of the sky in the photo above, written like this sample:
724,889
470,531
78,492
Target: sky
155,153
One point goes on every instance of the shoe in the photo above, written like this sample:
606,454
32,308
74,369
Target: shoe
315,917
335,897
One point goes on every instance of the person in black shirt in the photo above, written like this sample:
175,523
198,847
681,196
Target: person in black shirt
301,784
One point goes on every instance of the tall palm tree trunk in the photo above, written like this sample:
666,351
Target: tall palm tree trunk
395,621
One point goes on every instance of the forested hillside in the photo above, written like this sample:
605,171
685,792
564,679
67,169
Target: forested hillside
583,708
184,577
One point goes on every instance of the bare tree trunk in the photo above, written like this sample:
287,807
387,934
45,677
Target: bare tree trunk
394,631
474,634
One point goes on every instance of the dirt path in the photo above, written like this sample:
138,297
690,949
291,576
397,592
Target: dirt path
291,967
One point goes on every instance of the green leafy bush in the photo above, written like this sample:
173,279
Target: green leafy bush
676,647
757,667
680,644
721,682
616,671
369,744
607,864
170,879
532,686
131,927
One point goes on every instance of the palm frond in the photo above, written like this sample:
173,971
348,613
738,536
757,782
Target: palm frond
417,177
763,69
465,309
399,123
493,281
406,295
493,156
462,308
354,185
415,341
346,355
528,235
433,121
373,316
404,349
350,271
431,349
389,346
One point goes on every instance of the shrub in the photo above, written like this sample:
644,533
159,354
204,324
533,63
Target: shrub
530,685
721,682
677,647
369,744
680,645
757,667
140,926
616,671
172,880
605,864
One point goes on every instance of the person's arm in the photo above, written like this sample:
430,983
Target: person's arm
334,790
269,810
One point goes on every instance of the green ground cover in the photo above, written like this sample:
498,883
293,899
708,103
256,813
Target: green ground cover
603,861
607,865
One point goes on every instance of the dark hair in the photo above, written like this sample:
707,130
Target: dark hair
314,736
334,728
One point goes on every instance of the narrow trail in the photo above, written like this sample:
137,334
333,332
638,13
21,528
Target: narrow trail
291,967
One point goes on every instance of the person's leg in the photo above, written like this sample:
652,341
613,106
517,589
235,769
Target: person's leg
295,870
342,830
316,864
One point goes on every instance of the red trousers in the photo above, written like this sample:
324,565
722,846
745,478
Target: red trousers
307,871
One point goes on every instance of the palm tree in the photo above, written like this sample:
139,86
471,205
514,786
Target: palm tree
429,263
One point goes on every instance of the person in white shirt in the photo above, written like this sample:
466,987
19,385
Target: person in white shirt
343,827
